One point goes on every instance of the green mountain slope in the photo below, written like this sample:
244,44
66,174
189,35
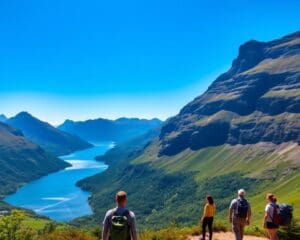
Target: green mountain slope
22,161
243,132
48,137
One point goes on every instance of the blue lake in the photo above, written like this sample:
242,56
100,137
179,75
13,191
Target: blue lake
56,194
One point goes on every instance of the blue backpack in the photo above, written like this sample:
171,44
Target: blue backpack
242,208
285,214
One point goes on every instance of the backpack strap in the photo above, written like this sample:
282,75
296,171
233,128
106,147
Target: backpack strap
126,214
275,208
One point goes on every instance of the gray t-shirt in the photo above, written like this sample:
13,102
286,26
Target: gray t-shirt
107,223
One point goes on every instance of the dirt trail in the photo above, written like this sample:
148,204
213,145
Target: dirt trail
228,236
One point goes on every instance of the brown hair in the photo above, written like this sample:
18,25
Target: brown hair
121,196
210,199
271,197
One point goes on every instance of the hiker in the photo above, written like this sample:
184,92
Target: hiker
271,217
119,223
208,217
239,214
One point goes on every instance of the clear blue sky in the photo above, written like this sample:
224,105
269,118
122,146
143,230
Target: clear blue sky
85,59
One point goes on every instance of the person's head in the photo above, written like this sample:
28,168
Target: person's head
271,198
209,199
121,198
241,193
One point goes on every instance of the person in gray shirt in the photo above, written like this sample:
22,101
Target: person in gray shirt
239,214
117,218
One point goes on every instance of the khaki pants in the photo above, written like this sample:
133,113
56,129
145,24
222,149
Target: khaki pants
238,225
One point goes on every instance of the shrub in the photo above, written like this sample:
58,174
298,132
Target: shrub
67,234
291,232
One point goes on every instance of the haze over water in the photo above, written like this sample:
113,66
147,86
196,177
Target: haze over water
56,195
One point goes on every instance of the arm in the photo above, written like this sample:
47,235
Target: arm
230,215
204,213
249,215
133,228
265,220
267,214
105,230
231,209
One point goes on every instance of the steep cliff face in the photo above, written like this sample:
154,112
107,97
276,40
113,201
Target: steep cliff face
257,100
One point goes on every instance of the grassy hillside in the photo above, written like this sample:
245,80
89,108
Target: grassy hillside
22,161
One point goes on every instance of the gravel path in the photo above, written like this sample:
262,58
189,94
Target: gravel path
228,236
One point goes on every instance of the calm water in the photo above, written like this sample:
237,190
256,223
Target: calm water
56,194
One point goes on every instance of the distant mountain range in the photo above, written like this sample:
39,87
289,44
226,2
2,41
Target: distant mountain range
101,129
21,160
47,136
243,132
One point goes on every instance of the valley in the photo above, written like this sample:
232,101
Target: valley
56,195
243,132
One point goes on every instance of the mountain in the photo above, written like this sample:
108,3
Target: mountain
118,130
22,161
243,132
3,118
48,137
257,100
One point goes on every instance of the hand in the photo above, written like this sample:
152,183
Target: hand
247,221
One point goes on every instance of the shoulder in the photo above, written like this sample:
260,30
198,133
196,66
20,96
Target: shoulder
110,212
268,207
247,202
131,214
233,202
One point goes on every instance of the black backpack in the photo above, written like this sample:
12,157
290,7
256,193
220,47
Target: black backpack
120,226
242,208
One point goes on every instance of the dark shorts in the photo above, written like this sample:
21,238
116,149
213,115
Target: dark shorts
270,225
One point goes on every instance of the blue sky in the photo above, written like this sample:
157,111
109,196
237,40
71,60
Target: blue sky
86,59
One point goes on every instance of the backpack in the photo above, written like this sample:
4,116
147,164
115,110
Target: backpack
120,226
285,214
242,208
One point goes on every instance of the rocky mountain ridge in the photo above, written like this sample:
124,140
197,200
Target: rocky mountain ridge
256,100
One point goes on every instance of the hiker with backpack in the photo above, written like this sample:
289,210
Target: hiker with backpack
208,217
271,218
119,223
239,214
